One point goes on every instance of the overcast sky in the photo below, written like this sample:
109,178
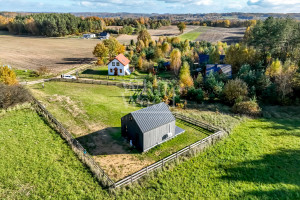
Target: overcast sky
152,6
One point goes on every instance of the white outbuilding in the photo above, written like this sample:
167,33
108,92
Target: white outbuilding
119,66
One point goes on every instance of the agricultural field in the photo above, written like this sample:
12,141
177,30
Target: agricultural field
170,31
93,114
215,34
57,54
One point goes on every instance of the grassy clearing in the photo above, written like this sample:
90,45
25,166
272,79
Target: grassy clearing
37,164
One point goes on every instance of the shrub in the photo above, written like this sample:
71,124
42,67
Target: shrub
235,89
13,95
196,94
247,107
7,76
43,71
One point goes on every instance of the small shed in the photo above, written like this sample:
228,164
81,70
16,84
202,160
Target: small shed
150,126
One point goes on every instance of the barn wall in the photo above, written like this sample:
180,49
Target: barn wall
133,131
156,136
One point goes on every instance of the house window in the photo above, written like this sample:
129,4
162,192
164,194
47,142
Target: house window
118,64
130,118
113,64
111,70
120,70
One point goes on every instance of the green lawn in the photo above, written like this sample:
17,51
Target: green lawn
27,75
36,163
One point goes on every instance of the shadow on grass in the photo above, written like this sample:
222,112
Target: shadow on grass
107,141
74,61
278,168
96,72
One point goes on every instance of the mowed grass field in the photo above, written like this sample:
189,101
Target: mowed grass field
259,160
57,54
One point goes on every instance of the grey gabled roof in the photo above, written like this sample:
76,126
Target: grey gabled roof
152,117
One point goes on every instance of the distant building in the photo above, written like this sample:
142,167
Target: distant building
104,36
119,66
88,36
219,68
150,126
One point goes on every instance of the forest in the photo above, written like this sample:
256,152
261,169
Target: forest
264,67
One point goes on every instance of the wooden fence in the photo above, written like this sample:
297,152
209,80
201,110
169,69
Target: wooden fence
84,156
99,82
102,177
199,146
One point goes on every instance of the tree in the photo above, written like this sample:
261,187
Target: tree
199,80
227,23
144,36
140,45
8,76
284,79
214,56
165,48
235,90
140,63
154,85
274,69
186,81
114,47
181,26
100,51
238,55
175,60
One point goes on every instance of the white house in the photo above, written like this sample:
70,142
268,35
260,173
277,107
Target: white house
88,36
119,66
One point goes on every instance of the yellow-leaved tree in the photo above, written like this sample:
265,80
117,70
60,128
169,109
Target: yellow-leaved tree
7,76
274,69
175,60
186,81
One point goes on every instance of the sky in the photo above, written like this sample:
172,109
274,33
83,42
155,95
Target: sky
152,6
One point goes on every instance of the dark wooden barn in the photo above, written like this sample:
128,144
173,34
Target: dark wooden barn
150,126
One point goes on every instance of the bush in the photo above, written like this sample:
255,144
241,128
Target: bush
234,90
247,107
195,94
13,95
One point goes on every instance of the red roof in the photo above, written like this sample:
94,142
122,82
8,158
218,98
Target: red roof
122,59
